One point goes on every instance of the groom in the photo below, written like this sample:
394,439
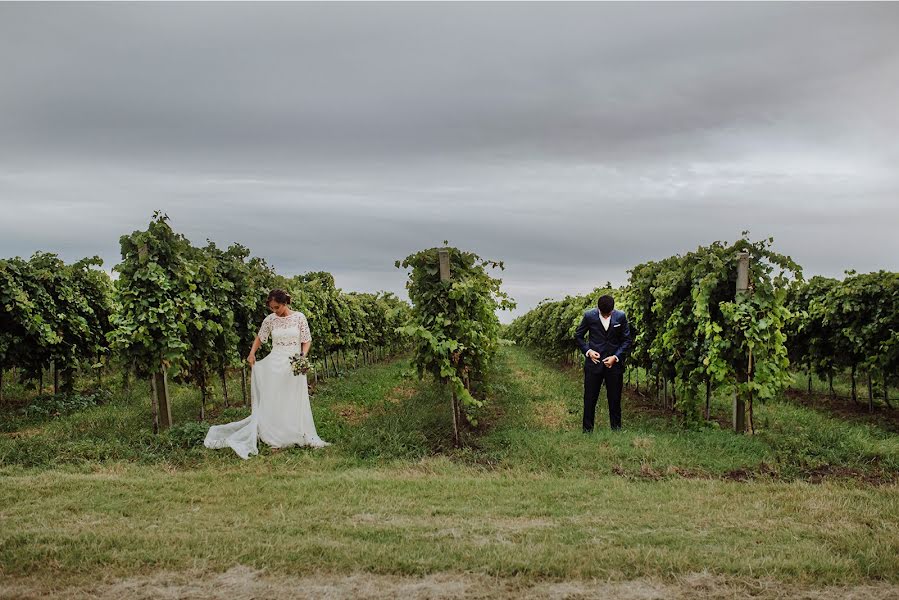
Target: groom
604,354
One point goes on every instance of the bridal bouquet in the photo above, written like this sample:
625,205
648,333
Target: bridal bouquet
301,364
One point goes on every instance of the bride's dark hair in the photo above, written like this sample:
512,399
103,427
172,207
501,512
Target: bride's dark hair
279,296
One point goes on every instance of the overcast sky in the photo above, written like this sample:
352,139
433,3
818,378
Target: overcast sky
572,141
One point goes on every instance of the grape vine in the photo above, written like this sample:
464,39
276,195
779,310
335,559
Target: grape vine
453,324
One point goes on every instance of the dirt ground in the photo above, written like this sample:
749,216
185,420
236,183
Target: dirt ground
244,583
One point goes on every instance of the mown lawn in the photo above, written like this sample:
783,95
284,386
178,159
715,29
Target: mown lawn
810,501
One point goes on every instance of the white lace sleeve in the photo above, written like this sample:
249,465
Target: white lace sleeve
305,333
265,329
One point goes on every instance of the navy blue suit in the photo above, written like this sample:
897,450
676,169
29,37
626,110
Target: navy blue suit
616,341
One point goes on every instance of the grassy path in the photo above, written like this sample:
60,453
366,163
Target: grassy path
536,507
542,432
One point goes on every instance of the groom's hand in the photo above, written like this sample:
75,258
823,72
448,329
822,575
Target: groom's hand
593,355
610,360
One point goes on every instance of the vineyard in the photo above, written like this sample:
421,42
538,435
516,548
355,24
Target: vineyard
702,328
449,301
458,466
701,332
847,325
176,312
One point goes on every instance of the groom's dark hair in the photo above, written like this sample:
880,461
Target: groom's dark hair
606,304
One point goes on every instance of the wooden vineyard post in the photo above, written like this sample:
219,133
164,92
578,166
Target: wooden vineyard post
224,377
708,399
443,256
870,393
444,261
739,416
657,392
243,384
160,391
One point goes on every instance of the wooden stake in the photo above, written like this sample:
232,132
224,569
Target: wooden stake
203,398
224,377
870,393
748,377
708,399
455,407
160,387
444,260
658,389
154,403
243,384
739,408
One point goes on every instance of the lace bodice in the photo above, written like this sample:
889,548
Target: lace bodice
286,332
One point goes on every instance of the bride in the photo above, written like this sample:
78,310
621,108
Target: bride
281,415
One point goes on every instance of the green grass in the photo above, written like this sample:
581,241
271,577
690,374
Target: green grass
530,497
792,442
436,516
120,430
842,387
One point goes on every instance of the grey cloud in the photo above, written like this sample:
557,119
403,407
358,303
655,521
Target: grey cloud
344,136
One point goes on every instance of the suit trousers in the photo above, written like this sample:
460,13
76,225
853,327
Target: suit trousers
593,380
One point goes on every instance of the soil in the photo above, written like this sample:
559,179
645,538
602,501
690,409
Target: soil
245,583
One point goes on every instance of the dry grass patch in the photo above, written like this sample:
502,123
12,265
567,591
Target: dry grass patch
402,392
22,433
351,413
243,583
641,442
551,415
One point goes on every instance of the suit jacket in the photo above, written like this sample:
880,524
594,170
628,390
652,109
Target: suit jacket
617,340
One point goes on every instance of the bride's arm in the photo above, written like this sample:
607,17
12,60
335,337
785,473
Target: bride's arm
305,336
251,358
264,330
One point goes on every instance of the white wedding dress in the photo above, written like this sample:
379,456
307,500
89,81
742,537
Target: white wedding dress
281,415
